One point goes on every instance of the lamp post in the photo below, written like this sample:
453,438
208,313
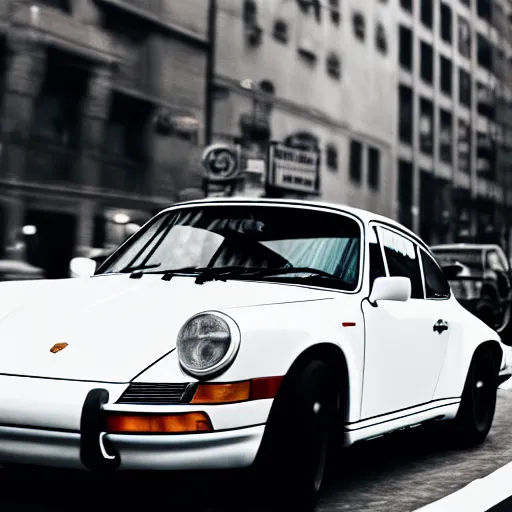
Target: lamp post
210,70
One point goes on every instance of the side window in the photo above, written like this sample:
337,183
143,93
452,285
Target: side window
377,267
402,260
436,285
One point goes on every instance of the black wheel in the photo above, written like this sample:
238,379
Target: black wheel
478,405
294,453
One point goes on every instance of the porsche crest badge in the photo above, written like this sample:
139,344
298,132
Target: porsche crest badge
58,347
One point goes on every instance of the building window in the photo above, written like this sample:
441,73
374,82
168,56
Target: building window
445,137
281,31
57,107
483,9
484,100
380,39
331,155
124,129
333,66
405,50
464,88
463,145
427,63
405,193
464,38
267,87
485,155
250,13
484,52
406,5
359,25
356,161
427,13
335,11
405,114
306,5
373,168
426,126
446,76
446,23
61,5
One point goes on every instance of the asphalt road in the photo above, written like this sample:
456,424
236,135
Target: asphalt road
398,474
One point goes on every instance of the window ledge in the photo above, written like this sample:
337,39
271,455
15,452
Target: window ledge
156,20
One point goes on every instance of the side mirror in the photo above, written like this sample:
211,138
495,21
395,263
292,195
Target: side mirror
452,271
390,288
82,267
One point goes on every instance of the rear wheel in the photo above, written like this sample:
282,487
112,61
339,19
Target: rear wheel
293,457
476,413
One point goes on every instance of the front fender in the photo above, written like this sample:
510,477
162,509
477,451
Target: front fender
274,336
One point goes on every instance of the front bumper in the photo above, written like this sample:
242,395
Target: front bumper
228,449
45,422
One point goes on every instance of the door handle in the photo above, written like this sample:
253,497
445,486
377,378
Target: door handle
440,326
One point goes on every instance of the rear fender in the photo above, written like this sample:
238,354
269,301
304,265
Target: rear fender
466,338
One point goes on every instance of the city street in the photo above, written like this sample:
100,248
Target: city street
399,474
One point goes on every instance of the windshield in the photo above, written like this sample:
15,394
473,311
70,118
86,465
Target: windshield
246,236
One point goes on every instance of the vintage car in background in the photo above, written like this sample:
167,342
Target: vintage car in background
235,333
15,270
481,280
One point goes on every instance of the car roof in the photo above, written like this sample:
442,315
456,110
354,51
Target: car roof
463,246
364,215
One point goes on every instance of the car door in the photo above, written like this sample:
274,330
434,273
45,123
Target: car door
403,352
441,309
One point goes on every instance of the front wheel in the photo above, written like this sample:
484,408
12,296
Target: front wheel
476,413
292,460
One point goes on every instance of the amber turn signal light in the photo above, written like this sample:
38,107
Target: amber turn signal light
233,392
158,423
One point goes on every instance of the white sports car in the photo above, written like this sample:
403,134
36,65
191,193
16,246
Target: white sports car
240,333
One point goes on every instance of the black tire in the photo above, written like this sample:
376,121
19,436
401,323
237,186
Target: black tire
478,405
293,457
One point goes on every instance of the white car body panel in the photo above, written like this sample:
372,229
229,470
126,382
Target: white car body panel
312,324
107,320
121,330
466,335
401,349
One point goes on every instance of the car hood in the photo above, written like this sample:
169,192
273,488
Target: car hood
115,327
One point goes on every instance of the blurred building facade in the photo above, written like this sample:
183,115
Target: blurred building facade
455,113
313,73
102,114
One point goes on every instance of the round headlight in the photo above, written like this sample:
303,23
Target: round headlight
207,343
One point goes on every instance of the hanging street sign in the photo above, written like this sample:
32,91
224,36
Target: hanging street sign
295,170
220,162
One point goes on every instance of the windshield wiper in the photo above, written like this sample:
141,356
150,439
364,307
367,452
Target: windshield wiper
134,268
223,273
168,274
293,270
